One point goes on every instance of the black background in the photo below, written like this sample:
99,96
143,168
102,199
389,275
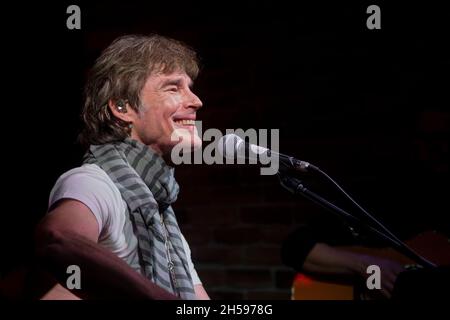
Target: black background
369,106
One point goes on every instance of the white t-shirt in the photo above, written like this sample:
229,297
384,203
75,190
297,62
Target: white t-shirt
91,185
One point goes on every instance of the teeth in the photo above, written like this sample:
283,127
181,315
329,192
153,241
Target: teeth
185,122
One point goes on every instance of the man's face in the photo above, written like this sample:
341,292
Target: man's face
169,112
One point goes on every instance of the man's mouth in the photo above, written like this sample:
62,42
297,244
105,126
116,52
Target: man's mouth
185,122
187,131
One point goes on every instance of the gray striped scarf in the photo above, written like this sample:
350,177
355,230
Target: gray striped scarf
148,186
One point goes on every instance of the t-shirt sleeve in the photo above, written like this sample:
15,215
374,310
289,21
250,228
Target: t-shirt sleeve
89,188
194,275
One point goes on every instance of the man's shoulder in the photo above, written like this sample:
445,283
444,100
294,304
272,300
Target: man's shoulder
90,185
86,172
88,178
85,169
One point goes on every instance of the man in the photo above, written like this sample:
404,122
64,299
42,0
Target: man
334,257
112,217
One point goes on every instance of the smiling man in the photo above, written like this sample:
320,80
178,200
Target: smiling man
112,216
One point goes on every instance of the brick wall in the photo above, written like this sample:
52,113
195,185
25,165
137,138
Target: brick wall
235,233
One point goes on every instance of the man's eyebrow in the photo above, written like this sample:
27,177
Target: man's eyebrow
176,82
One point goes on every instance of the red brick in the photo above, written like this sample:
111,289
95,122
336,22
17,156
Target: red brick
307,211
196,236
217,255
249,278
266,214
263,256
197,175
208,215
211,277
275,234
237,235
277,194
219,195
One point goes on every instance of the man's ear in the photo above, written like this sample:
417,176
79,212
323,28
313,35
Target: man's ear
121,109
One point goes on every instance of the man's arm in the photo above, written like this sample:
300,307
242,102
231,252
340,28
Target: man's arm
67,236
327,260
200,292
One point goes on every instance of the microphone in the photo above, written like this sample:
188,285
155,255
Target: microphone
232,146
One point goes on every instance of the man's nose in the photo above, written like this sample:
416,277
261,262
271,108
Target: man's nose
194,101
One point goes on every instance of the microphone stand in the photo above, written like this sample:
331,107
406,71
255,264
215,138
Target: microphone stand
296,186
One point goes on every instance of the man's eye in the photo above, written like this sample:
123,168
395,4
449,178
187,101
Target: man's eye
173,89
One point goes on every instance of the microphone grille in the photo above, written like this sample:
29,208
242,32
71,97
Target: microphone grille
228,145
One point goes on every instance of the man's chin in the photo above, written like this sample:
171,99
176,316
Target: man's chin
189,142
192,143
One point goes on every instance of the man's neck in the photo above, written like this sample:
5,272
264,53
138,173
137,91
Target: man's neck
155,148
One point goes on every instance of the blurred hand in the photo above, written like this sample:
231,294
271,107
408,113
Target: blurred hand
389,269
